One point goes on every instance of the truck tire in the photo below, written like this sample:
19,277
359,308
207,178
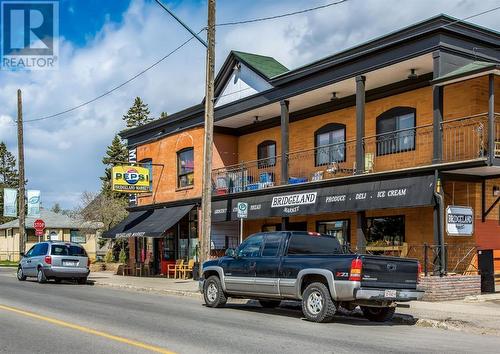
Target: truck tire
213,293
317,304
378,314
269,304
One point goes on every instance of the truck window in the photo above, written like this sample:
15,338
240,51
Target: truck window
251,247
305,244
272,245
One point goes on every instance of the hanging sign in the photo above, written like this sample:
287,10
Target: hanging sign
459,221
130,179
33,203
10,202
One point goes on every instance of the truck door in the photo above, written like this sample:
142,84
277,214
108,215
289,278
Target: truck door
240,271
267,266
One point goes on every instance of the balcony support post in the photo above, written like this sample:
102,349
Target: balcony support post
437,102
491,118
360,123
285,119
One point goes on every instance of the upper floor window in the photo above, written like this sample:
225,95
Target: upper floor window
185,167
330,144
266,154
148,163
395,131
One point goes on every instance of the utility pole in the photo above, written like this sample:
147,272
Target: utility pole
206,197
20,147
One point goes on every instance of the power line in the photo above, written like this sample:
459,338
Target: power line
114,88
282,15
471,16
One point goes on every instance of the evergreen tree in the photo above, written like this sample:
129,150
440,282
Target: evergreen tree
163,115
138,114
116,152
9,178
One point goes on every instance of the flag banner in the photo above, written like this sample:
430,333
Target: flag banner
10,202
34,203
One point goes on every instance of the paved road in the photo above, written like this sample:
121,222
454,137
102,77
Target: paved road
70,318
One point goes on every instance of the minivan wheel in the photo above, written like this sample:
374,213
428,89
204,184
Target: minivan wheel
378,314
317,304
82,281
40,277
20,274
212,292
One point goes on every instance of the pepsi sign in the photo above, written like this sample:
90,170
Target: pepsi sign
131,179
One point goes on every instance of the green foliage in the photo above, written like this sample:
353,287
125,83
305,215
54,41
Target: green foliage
163,115
116,152
108,258
123,256
138,114
9,177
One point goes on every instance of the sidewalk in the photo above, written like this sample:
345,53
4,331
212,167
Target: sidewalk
479,314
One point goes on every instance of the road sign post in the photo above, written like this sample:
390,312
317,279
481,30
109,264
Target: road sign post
39,226
242,214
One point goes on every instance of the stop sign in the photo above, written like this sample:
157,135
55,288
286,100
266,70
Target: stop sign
39,226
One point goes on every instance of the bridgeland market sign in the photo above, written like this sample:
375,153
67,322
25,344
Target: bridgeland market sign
404,192
459,221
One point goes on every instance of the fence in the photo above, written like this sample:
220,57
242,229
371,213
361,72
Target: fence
9,255
465,138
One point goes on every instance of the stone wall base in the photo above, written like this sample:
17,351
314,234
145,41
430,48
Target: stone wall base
454,287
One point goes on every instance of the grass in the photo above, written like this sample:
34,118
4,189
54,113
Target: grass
8,264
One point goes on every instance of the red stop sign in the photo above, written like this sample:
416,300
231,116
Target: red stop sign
39,226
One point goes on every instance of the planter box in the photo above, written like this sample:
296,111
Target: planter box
453,287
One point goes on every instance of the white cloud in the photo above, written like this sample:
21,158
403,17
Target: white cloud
63,155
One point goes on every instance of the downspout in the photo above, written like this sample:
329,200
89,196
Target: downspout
440,201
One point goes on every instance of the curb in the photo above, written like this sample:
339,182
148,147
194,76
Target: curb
188,293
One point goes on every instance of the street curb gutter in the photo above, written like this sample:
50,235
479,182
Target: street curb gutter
193,294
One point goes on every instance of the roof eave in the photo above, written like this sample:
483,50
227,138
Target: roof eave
493,69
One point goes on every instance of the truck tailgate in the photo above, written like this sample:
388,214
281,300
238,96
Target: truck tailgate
389,272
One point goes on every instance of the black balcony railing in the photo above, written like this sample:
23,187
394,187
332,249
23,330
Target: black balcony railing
464,139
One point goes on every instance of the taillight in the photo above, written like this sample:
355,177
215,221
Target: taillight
356,266
48,259
419,270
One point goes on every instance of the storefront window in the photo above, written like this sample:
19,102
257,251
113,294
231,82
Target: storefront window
385,231
338,228
185,167
169,245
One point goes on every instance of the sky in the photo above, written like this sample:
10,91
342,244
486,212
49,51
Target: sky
104,43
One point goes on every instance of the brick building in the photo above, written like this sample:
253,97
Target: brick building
371,144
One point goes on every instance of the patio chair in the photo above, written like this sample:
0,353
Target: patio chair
184,270
369,162
171,268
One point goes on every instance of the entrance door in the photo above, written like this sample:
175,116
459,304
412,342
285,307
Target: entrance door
297,226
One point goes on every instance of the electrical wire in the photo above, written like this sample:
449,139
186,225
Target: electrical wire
242,22
114,88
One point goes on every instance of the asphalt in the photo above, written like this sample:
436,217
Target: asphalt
85,318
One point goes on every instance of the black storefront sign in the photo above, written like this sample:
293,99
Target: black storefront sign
403,192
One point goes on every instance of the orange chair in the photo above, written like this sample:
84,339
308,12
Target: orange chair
172,268
184,270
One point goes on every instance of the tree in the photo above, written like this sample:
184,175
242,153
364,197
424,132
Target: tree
163,115
116,152
9,177
138,114
56,208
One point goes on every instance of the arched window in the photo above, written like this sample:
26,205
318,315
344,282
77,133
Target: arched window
329,141
396,130
266,154
185,167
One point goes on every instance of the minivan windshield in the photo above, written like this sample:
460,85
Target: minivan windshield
68,250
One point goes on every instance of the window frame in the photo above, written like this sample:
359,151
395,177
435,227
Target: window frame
290,238
179,174
148,163
394,114
329,128
271,160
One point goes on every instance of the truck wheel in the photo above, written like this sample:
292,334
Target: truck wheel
20,274
212,292
269,304
317,304
40,277
378,314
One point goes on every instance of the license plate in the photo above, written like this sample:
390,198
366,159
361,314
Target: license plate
390,293
70,263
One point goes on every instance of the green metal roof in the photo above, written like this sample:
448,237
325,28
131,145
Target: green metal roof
265,65
471,68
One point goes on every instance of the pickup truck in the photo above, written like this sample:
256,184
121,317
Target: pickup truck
313,268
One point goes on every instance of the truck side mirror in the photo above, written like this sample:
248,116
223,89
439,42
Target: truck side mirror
230,252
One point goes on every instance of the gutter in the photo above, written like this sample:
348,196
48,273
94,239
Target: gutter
440,202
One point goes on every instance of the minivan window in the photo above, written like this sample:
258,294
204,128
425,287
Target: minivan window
40,250
306,244
68,250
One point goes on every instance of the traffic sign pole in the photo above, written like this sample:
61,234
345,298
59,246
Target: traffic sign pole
242,214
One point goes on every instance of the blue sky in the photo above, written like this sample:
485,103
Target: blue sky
104,42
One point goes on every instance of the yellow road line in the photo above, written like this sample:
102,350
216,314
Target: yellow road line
87,330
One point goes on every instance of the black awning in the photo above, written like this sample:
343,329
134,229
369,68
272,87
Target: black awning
397,193
149,223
